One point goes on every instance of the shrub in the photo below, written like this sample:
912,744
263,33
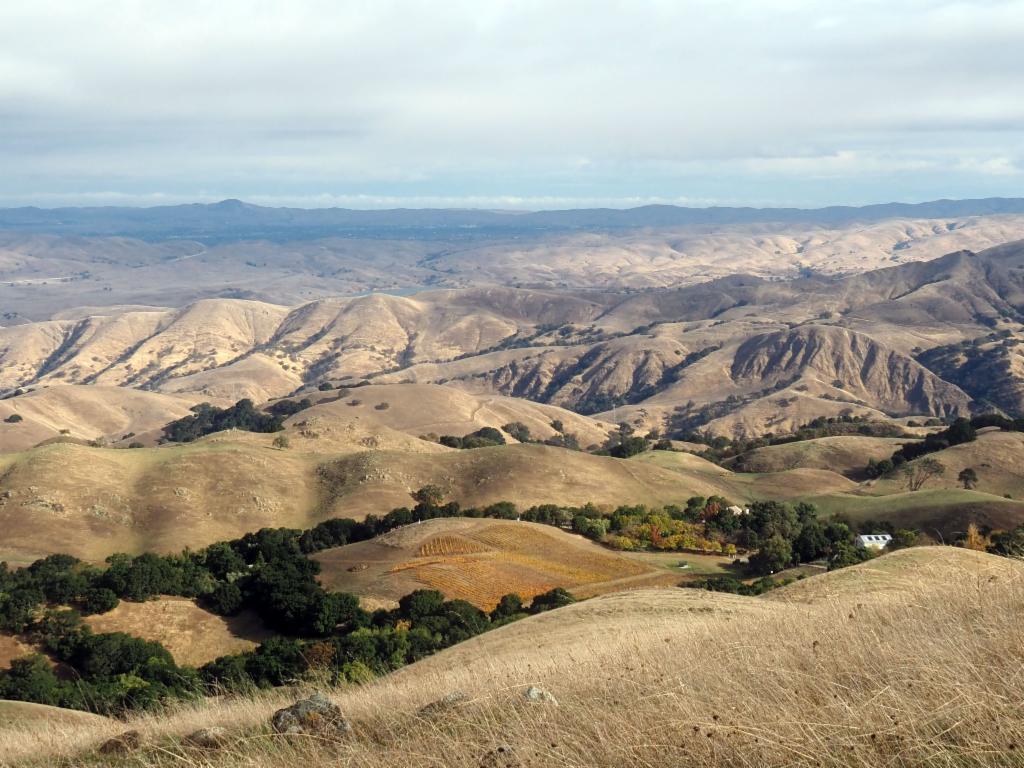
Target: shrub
286,408
519,431
629,446
225,600
98,600
482,438
510,605
555,598
774,555
14,418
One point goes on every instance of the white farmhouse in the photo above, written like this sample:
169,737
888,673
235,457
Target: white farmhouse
874,540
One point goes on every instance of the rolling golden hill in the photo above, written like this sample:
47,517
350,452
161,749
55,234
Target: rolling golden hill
908,659
90,501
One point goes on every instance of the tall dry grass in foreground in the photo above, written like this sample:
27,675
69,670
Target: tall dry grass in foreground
916,659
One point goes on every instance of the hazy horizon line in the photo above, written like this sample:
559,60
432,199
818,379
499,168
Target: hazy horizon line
509,205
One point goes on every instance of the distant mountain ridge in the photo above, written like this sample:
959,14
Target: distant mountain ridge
231,220
738,355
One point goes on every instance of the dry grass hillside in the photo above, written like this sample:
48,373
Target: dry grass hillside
193,635
104,413
740,354
344,461
90,501
479,561
995,456
907,660
524,474
847,455
431,409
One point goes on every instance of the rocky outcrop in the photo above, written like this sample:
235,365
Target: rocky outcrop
316,715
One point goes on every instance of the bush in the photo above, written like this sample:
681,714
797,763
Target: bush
555,598
14,418
519,431
510,605
98,600
286,408
482,438
225,600
421,603
773,556
629,446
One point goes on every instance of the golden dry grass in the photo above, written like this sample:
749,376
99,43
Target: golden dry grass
11,648
847,454
90,502
420,409
192,635
910,660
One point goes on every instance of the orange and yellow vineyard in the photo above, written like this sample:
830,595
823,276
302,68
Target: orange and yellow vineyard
482,562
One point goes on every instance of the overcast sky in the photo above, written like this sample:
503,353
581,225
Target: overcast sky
528,104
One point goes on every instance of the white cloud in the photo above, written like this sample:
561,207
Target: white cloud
487,99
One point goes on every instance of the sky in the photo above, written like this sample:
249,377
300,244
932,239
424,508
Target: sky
526,104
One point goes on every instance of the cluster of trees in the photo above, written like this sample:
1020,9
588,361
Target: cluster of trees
207,419
959,432
670,529
787,535
285,408
108,673
734,586
623,443
267,572
779,535
485,437
377,643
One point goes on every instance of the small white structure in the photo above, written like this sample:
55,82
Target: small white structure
874,540
737,511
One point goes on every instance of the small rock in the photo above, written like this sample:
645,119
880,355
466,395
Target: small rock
208,738
533,693
502,756
316,715
122,744
443,705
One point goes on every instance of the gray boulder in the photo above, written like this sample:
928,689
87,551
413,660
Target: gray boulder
316,715
533,693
